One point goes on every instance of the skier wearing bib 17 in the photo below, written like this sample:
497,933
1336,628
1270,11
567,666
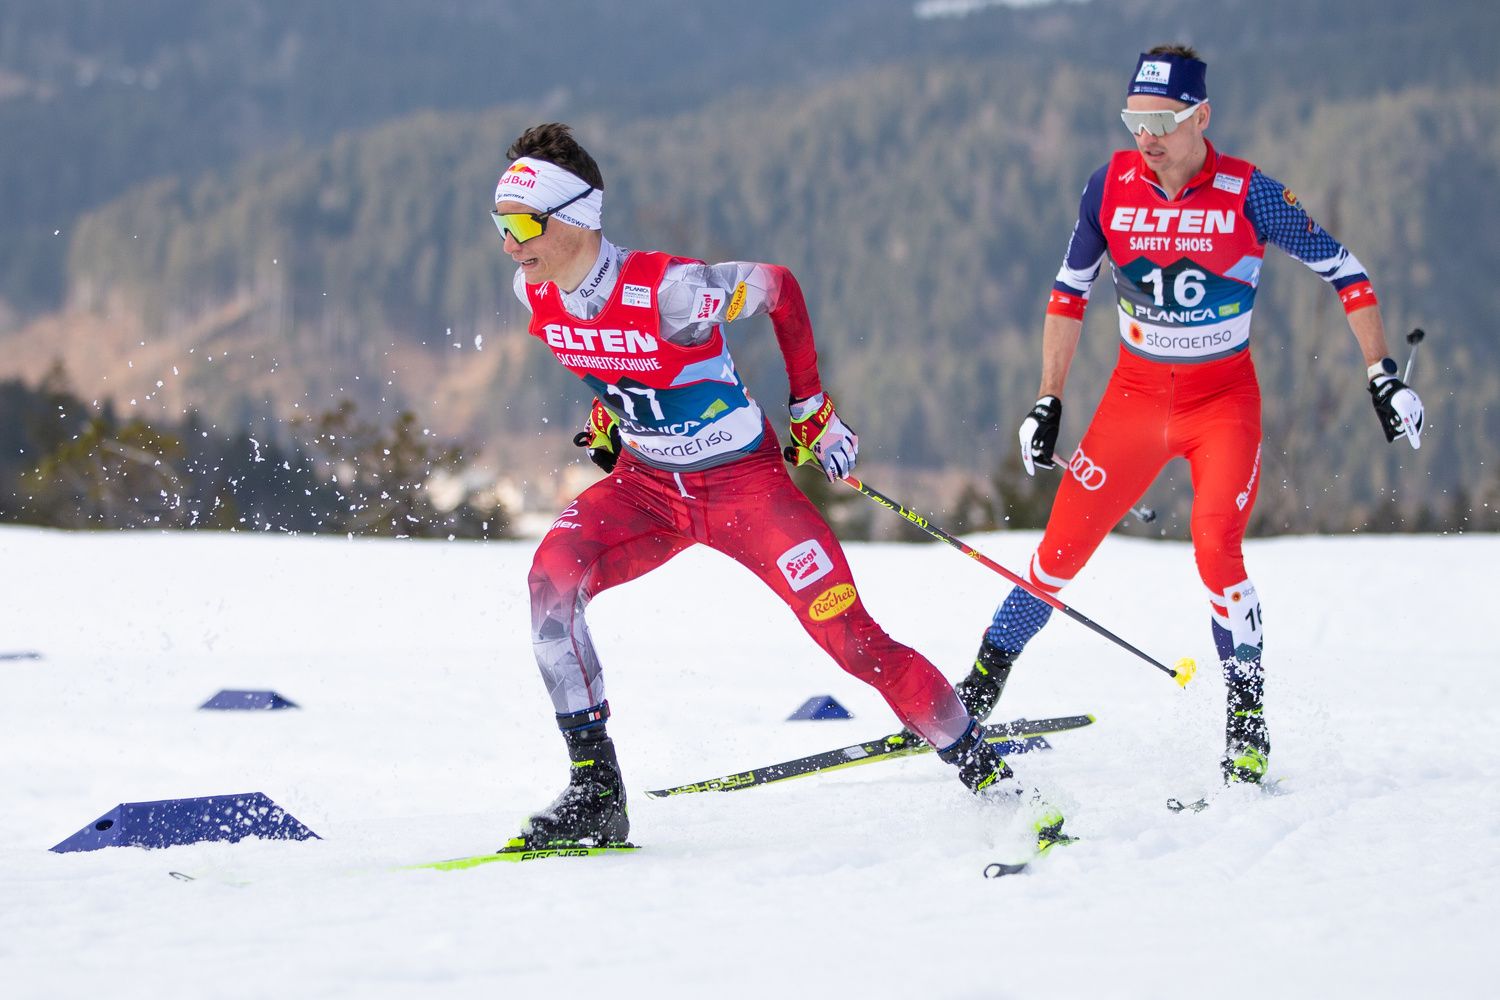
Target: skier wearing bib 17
1185,229
691,459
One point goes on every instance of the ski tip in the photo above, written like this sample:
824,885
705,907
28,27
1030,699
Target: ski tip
1185,669
999,869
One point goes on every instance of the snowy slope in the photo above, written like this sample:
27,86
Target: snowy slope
425,734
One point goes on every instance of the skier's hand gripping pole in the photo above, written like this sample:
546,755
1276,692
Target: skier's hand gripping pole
1397,405
1182,673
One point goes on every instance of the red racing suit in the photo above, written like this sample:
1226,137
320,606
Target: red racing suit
1185,274
700,464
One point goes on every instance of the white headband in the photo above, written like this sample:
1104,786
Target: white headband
540,186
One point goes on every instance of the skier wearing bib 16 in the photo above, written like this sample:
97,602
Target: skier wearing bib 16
1185,229
691,459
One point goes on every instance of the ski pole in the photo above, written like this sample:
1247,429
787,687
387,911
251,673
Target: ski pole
1186,666
1143,513
1414,338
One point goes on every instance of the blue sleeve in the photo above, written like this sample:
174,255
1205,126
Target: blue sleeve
1087,245
1280,219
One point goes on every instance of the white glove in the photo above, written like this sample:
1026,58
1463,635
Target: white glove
1039,435
1398,407
818,429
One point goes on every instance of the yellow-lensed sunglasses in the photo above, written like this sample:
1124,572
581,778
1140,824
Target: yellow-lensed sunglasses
523,226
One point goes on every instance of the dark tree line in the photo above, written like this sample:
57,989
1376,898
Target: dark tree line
68,464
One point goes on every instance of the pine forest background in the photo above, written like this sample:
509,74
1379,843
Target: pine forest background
247,278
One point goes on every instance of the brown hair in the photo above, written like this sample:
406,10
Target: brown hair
1184,51
554,143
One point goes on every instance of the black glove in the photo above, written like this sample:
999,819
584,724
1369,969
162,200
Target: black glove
1039,434
601,437
1398,407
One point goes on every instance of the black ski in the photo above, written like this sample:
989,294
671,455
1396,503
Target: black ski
1010,737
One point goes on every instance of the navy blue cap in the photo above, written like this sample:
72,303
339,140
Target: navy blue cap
1170,76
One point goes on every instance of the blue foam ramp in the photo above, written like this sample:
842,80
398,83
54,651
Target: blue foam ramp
821,706
169,822
229,701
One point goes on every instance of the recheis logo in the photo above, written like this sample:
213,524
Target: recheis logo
804,564
736,302
833,602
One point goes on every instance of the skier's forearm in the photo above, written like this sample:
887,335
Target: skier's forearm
1059,343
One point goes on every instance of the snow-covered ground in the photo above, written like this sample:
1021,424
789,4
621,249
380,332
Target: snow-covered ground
424,733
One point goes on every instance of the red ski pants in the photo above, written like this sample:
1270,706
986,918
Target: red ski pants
1151,413
638,517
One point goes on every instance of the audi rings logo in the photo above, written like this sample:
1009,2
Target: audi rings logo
1089,475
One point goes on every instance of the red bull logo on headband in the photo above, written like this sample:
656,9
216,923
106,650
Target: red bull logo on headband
518,176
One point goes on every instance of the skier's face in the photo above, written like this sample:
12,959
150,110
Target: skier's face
1162,153
552,256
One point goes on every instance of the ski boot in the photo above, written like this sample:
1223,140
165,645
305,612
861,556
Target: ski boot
1048,825
986,773
980,766
980,691
1247,742
591,810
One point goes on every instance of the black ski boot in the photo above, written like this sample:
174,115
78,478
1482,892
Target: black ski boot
980,766
592,808
986,773
1247,742
977,692
980,691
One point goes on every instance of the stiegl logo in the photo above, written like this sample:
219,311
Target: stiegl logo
804,564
